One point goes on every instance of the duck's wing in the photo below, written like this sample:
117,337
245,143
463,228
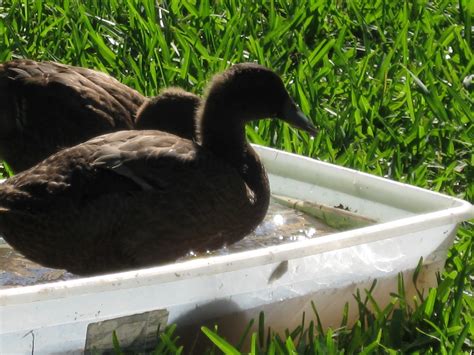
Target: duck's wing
128,98
116,163
70,89
45,106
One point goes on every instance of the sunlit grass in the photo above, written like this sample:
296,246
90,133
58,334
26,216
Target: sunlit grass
383,81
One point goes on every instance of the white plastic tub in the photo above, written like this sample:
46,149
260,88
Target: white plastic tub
232,289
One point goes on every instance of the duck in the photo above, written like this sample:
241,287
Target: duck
47,106
140,198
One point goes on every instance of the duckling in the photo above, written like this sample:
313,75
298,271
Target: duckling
133,199
172,111
47,106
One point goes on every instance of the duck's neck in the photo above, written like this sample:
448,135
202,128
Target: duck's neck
224,136
222,130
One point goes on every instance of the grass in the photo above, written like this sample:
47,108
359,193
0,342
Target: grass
382,80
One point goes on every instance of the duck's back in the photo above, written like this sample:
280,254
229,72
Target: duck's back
45,106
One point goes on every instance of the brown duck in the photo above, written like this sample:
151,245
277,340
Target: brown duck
46,106
137,198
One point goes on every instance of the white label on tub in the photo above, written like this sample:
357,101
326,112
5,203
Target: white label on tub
137,332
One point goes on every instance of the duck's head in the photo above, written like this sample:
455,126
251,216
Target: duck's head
172,111
250,91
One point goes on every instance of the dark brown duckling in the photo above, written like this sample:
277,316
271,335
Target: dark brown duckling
138,198
47,106
171,111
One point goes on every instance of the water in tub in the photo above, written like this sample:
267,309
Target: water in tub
282,224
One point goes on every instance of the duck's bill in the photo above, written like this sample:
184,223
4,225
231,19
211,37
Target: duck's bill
294,116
